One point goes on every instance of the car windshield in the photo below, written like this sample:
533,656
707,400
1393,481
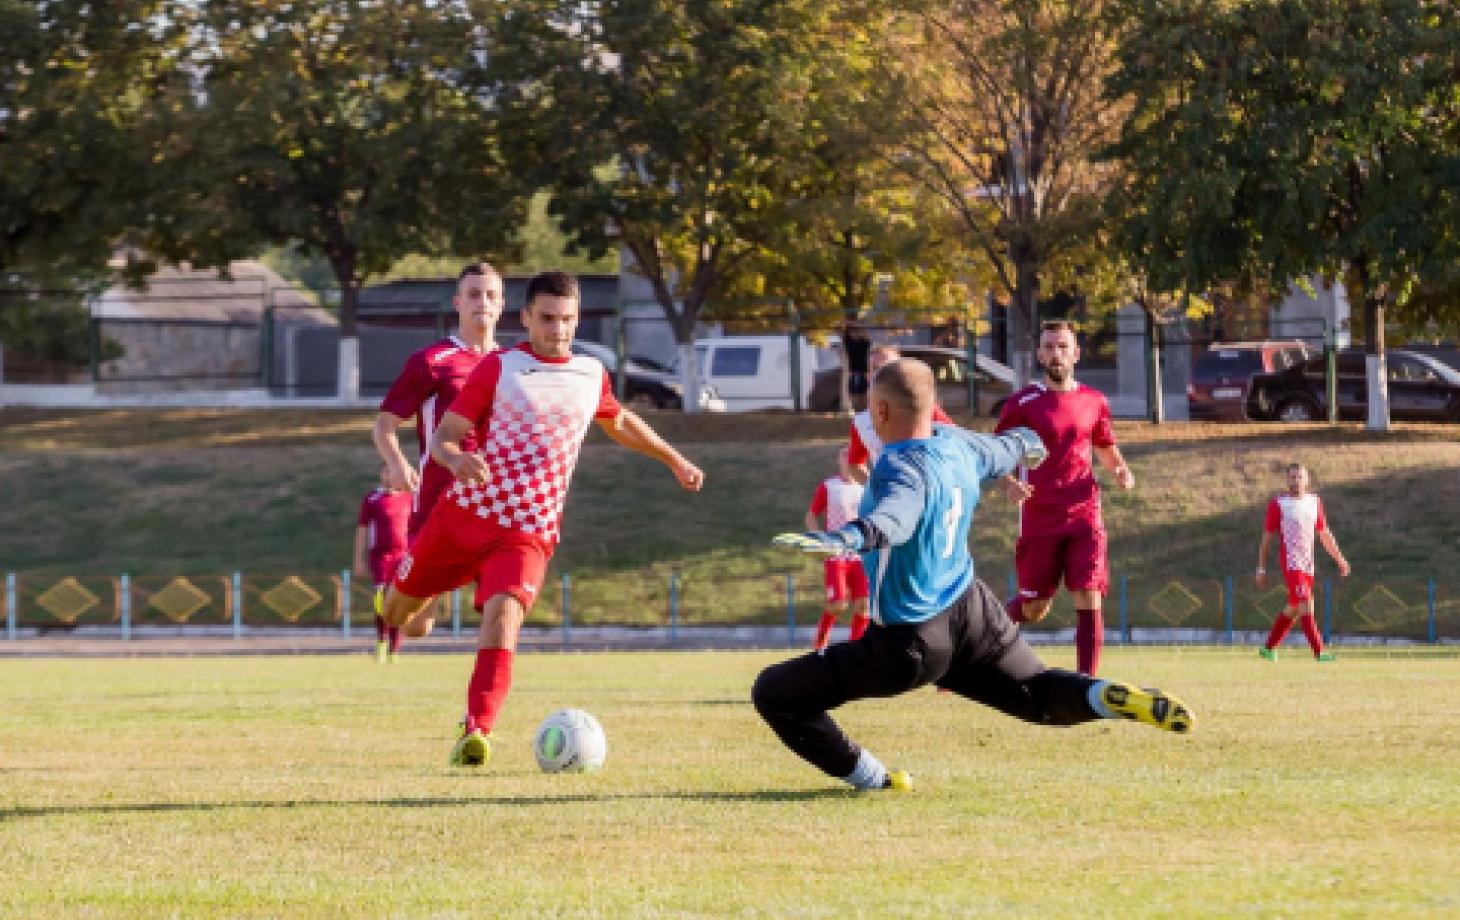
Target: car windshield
1228,363
1443,370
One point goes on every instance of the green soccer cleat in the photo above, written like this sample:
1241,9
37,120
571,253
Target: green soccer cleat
898,781
1149,706
381,649
1269,654
473,749
1327,656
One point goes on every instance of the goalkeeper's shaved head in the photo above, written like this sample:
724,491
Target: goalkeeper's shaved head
908,387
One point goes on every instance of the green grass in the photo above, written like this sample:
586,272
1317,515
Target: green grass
317,787
201,493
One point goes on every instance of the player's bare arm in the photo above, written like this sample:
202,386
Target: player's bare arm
1111,459
813,521
630,431
445,447
1261,574
859,473
1329,543
1015,489
362,567
399,474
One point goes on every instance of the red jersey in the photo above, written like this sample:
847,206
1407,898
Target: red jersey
863,444
384,513
838,499
428,383
1070,424
1297,518
530,416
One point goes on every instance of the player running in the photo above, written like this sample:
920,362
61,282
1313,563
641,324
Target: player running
933,621
863,445
429,382
836,500
380,542
1296,515
1061,530
527,409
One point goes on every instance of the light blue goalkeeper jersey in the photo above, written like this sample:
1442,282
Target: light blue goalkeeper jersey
915,515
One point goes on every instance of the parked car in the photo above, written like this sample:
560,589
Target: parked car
1421,388
950,370
754,371
644,387
1221,375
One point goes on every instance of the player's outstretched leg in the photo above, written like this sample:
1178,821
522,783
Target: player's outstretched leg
1116,700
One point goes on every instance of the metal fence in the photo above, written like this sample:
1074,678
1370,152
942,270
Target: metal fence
1421,610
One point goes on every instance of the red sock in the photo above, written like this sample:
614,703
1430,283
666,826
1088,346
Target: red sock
1280,628
490,681
1089,638
1310,629
380,628
823,629
394,636
1015,609
859,625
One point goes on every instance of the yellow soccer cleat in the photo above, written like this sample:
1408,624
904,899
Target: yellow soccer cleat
380,651
1149,706
473,749
379,601
899,781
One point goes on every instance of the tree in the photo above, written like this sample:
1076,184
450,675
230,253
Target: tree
667,128
355,130
1289,138
1006,111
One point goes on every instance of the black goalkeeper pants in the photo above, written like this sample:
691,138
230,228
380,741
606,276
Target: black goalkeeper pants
971,649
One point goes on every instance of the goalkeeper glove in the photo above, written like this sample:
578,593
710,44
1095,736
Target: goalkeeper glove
827,543
1034,449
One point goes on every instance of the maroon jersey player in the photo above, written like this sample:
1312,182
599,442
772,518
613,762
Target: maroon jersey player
529,409
380,542
1061,530
430,380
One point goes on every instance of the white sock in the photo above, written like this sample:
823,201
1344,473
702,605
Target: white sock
868,774
1097,702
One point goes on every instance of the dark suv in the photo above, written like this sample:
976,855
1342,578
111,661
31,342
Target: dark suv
1220,377
1421,388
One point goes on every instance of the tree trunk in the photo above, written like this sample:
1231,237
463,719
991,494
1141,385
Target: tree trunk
1024,321
689,376
1375,362
1155,399
342,260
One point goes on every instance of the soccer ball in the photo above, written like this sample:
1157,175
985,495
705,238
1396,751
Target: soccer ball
569,741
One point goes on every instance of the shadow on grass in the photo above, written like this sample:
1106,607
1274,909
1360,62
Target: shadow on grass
765,796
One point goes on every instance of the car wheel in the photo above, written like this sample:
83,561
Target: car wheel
1297,409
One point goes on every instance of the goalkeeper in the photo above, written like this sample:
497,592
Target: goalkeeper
933,621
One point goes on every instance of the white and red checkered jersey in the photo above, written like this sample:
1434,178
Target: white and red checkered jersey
1297,518
838,499
530,415
1071,423
863,445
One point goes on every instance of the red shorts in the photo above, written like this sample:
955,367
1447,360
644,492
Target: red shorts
382,568
456,546
1073,550
846,580
1300,588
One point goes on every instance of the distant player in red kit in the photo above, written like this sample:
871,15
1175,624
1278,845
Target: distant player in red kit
863,445
1061,531
380,542
1296,516
429,382
526,410
837,499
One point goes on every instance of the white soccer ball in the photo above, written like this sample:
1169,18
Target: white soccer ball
569,741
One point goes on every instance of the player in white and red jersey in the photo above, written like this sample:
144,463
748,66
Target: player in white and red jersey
430,380
380,542
837,499
529,408
863,445
1296,516
1061,530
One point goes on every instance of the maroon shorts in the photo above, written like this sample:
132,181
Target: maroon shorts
846,580
1072,550
382,568
456,546
434,483
1300,588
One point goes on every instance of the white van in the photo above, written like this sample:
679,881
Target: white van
754,371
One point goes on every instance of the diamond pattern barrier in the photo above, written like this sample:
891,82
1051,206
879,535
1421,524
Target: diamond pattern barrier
1397,607
60,602
306,599
173,600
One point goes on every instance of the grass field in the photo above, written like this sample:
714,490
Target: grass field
318,787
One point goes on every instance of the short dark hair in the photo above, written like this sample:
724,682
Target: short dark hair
1057,325
480,267
554,284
